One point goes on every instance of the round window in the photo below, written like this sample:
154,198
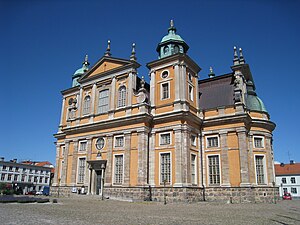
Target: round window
100,143
165,74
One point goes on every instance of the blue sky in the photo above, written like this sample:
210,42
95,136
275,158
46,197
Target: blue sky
44,42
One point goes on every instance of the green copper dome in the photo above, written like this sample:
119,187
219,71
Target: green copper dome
171,44
253,102
78,73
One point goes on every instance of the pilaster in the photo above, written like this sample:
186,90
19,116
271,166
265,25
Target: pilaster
152,91
65,165
108,172
62,114
93,101
152,159
142,156
178,157
74,163
127,137
88,157
55,183
224,159
242,139
269,160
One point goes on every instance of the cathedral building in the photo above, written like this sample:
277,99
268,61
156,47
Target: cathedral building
179,136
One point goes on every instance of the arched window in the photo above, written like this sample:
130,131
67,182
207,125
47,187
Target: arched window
86,105
122,96
176,49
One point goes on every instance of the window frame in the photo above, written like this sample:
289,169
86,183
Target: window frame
164,71
207,142
262,141
160,138
96,143
191,92
86,109
115,141
264,169
122,97
294,190
220,171
162,90
293,180
193,142
79,175
80,144
102,98
195,182
283,180
114,170
161,182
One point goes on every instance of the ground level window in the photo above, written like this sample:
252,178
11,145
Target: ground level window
214,169
193,169
294,190
260,174
165,168
285,190
118,169
81,170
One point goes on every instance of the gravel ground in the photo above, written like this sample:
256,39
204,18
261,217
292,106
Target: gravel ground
89,210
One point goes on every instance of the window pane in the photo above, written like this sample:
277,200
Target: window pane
86,105
103,102
214,170
165,168
260,170
118,169
122,97
81,170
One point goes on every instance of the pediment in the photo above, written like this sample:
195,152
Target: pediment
104,65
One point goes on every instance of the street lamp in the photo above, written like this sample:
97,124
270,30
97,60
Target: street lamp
58,187
102,179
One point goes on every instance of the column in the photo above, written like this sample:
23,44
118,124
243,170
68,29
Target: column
112,98
65,166
269,160
62,114
88,157
127,137
142,156
152,91
108,172
183,82
186,161
177,82
224,159
129,94
242,139
74,163
93,101
152,159
178,157
55,183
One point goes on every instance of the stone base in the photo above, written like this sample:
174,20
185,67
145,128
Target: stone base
184,194
67,191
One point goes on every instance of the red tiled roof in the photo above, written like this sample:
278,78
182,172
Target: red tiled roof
287,169
43,163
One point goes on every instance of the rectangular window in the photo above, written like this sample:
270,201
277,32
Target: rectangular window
46,180
103,101
3,176
165,91
212,142
119,141
260,174
214,169
81,170
193,169
118,169
63,149
30,179
283,180
35,179
165,138
193,140
293,180
258,142
17,169
16,177
285,190
41,180
9,177
10,168
191,96
23,178
165,168
82,145
3,167
294,190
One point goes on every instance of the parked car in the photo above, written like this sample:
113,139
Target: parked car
31,193
287,196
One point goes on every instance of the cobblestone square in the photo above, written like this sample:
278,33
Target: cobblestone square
91,210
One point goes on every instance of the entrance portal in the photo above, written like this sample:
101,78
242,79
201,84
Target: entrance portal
96,178
98,182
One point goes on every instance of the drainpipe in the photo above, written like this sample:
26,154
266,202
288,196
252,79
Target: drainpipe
201,158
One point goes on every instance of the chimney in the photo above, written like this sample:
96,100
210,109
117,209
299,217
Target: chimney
1,159
292,162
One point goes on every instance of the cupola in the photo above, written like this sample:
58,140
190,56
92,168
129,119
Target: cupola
78,73
253,102
171,44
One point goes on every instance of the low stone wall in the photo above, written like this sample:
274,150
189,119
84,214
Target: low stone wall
196,194
187,194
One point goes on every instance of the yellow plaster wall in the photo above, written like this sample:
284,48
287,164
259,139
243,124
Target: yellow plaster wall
234,167
256,114
70,160
100,117
211,113
231,125
159,80
164,109
230,110
232,140
105,66
133,167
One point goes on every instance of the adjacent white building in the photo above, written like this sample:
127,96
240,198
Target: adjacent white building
27,176
288,178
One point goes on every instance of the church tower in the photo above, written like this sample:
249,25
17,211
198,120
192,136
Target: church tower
174,106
